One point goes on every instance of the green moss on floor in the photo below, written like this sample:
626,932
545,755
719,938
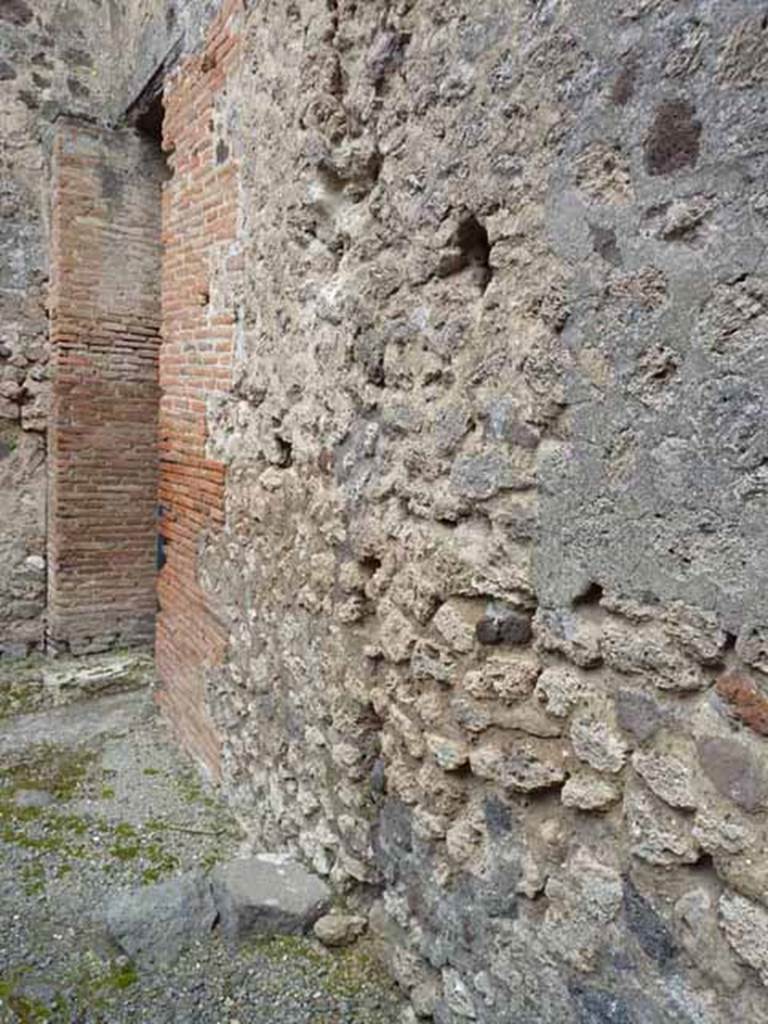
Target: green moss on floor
93,984
345,973
24,1010
52,833
21,685
59,771
190,786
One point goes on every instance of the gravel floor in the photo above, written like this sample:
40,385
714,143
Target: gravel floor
80,820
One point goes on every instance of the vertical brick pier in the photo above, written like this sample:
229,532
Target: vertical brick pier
200,255
105,336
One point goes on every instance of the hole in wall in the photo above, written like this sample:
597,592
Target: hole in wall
472,240
149,120
285,452
703,863
370,564
591,595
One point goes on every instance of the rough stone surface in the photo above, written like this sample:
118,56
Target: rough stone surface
658,834
669,775
744,700
735,771
267,895
746,927
339,929
589,792
561,690
595,742
465,438
638,713
502,625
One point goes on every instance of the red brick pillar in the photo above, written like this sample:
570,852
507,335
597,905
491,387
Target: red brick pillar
105,318
200,207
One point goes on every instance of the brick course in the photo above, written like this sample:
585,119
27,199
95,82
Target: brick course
200,205
105,312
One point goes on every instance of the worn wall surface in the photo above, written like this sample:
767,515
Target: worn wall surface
58,58
490,559
463,444
200,263
46,65
104,334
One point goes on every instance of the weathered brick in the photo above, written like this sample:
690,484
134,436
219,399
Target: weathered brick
199,217
105,260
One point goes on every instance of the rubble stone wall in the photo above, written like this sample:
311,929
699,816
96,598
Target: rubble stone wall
490,562
463,444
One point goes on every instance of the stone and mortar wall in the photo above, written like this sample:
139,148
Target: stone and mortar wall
56,59
46,66
104,334
88,61
463,470
490,563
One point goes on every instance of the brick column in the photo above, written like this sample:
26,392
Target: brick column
105,314
199,232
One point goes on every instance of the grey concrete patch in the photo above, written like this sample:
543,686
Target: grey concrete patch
78,723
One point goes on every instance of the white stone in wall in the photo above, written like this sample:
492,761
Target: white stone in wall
670,777
561,689
588,792
596,742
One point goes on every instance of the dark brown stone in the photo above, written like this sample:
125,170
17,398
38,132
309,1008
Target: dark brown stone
673,141
624,85
503,625
604,244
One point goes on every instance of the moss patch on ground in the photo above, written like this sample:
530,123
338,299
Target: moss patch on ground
60,771
21,685
53,837
343,973
92,985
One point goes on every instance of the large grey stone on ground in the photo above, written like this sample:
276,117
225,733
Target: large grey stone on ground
154,924
267,895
